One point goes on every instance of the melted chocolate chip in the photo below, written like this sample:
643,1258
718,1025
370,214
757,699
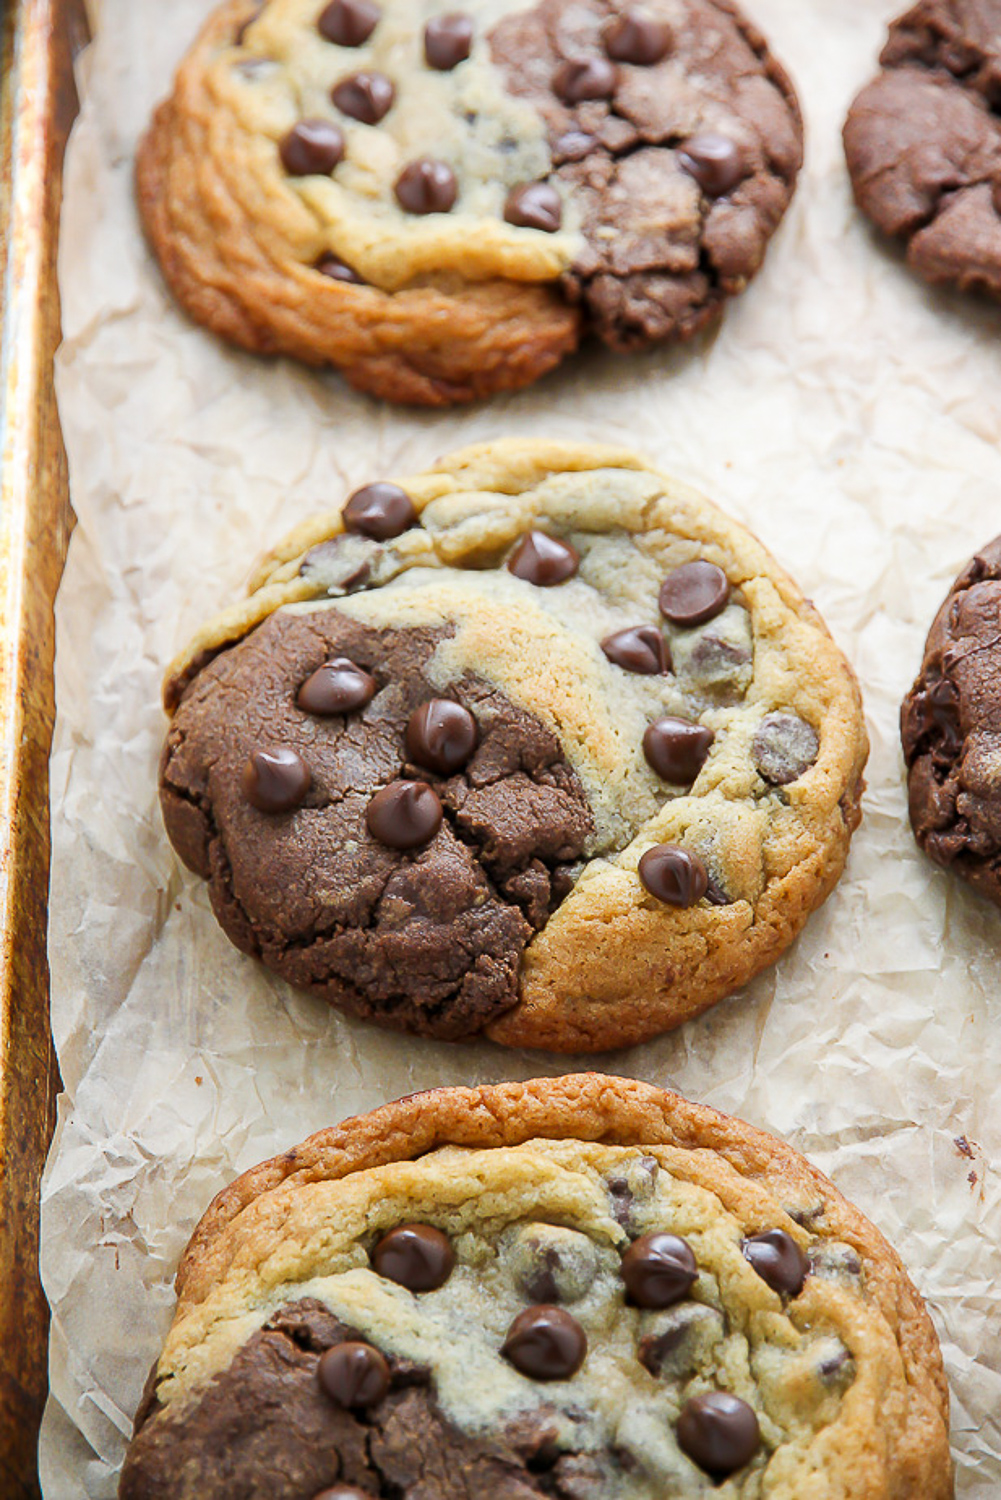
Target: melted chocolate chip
348,23
778,1260
551,1264
354,1374
719,1432
783,747
658,1270
545,1343
367,97
426,187
673,875
573,146
543,560
715,161
677,749
694,593
337,270
534,205
338,687
590,78
441,736
416,1256
275,781
639,649
681,1339
380,511
448,41
312,148
634,37
404,815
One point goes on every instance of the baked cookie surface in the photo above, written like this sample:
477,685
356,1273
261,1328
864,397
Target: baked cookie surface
581,1287
442,203
537,744
923,142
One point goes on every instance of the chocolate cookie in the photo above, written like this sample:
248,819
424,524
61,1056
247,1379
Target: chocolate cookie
536,743
923,141
951,730
581,1287
443,204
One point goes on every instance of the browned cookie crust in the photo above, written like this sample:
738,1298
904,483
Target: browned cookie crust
844,1369
923,142
662,187
951,729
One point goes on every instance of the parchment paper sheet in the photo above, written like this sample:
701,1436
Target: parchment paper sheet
848,416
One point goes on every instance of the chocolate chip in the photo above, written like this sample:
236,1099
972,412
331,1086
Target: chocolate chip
338,687
245,26
658,1270
996,195
354,1374
534,205
312,148
416,1256
778,1260
349,23
573,146
673,875
681,1339
834,1364
677,749
545,1343
543,560
694,593
381,511
337,270
719,1432
634,37
441,736
551,1264
715,161
404,815
591,78
447,41
275,781
783,748
642,649
426,187
367,97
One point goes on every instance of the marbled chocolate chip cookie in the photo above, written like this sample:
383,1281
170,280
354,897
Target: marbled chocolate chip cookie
923,141
536,744
582,1287
441,203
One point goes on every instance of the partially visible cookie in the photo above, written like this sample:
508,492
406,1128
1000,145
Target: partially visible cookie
582,1288
923,142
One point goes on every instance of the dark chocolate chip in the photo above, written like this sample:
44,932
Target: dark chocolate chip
589,78
783,748
715,161
404,815
416,1256
381,511
716,894
634,37
534,205
354,1374
642,648
719,1432
673,875
778,1260
694,593
312,148
543,560
448,41
426,186
545,1343
275,780
658,1270
677,749
573,146
681,1339
441,736
349,23
338,687
337,270
367,97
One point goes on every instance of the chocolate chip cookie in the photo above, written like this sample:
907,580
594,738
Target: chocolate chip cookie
442,203
923,141
536,744
580,1287
951,730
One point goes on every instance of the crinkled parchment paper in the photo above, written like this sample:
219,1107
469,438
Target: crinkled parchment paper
848,416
